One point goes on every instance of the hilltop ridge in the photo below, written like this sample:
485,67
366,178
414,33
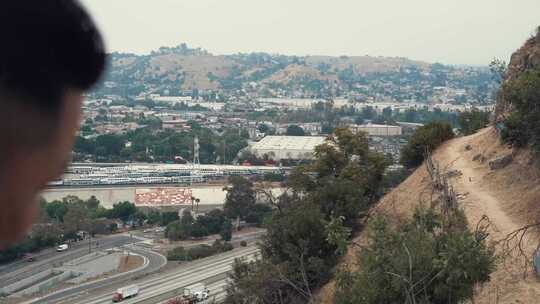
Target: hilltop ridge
184,71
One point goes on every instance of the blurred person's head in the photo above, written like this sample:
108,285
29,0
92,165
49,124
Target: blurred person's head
51,53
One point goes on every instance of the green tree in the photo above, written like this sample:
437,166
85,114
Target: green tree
521,127
123,211
307,231
111,144
77,218
226,230
154,217
92,203
176,231
426,138
472,121
263,128
240,197
198,230
258,213
213,220
425,260
168,217
294,130
56,210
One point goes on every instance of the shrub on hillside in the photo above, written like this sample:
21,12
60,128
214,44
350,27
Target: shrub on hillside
472,121
425,260
522,125
393,178
427,137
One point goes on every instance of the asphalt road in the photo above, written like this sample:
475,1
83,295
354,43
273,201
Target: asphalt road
155,262
153,289
49,258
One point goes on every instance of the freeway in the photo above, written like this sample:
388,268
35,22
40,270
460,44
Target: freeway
218,292
49,258
155,262
211,271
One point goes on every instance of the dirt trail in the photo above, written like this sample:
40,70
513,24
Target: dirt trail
471,185
481,197
509,197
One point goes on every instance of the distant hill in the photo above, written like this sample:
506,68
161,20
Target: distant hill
170,71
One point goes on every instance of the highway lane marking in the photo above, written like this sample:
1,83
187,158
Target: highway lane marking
224,266
141,268
223,262
166,288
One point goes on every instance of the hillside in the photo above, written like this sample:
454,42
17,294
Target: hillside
182,70
524,59
507,196
496,185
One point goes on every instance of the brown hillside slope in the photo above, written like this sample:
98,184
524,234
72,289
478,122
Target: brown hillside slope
510,197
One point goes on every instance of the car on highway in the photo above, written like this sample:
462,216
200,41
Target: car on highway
29,258
195,293
62,248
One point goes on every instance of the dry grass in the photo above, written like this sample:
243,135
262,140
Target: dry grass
128,263
510,197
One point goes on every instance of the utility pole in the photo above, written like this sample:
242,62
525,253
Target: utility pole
196,147
89,243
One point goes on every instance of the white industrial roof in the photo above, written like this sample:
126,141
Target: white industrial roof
289,143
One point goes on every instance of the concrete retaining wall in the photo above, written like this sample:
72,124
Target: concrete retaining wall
45,285
86,258
7,290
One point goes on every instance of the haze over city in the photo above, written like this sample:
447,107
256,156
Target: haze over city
276,152
450,32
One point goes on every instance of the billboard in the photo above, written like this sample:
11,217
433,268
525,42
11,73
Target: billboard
163,197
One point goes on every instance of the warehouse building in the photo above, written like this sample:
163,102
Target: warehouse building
377,130
287,147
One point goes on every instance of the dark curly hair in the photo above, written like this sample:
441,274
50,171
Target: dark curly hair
48,46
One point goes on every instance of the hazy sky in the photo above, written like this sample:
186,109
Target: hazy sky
447,31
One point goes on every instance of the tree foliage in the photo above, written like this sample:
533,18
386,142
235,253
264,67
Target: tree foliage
123,211
424,260
214,222
198,252
60,220
307,231
148,144
426,138
522,124
294,130
472,121
240,197
226,230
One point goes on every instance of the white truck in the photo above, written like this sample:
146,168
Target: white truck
197,292
125,292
